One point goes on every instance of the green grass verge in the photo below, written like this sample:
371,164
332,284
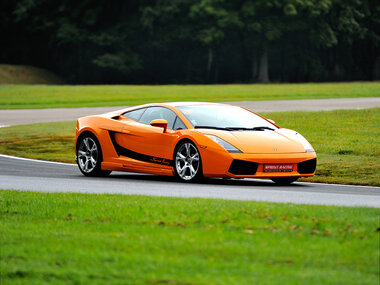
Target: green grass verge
67,238
18,97
346,142
21,74
47,141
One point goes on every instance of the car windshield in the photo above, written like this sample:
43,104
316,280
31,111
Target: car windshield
224,117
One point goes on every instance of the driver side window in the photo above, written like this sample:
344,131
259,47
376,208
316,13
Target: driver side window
153,113
134,115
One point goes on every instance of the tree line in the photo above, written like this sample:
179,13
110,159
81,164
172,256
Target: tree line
194,41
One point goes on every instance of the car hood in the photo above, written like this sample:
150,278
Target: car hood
264,142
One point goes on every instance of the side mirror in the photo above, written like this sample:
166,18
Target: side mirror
160,123
273,122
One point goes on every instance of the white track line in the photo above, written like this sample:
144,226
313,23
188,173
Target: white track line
36,160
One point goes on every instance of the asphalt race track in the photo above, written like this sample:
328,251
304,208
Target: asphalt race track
30,116
42,176
32,175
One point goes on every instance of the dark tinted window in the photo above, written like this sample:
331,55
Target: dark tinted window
153,113
179,125
134,115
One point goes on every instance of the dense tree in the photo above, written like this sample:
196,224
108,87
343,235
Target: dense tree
194,41
212,20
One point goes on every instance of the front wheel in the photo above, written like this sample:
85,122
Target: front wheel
187,162
284,180
89,156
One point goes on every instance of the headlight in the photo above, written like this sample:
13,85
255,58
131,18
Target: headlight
305,143
227,146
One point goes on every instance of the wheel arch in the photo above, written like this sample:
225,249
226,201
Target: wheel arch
82,134
181,141
97,170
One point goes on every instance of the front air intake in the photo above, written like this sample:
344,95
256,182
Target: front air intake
242,167
307,167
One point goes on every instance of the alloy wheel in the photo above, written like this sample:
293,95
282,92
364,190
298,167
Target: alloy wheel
187,161
88,155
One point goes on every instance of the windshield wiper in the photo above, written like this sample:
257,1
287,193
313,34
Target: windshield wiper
261,128
212,127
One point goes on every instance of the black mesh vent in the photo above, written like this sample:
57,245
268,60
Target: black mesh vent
242,167
307,166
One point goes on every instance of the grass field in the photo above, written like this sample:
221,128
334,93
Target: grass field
346,142
22,74
113,239
42,96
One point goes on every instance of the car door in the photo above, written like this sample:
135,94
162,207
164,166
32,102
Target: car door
143,142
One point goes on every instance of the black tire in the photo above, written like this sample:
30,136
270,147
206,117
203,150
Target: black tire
284,180
187,162
89,156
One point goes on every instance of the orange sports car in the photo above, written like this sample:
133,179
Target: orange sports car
190,140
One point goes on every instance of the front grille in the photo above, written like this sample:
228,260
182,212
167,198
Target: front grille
307,166
242,167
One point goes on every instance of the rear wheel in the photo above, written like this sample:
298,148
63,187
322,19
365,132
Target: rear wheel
284,180
89,156
187,162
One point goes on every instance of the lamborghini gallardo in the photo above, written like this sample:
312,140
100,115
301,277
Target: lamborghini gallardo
191,140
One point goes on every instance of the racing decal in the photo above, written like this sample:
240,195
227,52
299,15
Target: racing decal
135,155
278,167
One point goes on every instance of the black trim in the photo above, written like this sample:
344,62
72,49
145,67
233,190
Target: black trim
243,167
307,166
135,155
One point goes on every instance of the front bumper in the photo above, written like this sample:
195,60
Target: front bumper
223,164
